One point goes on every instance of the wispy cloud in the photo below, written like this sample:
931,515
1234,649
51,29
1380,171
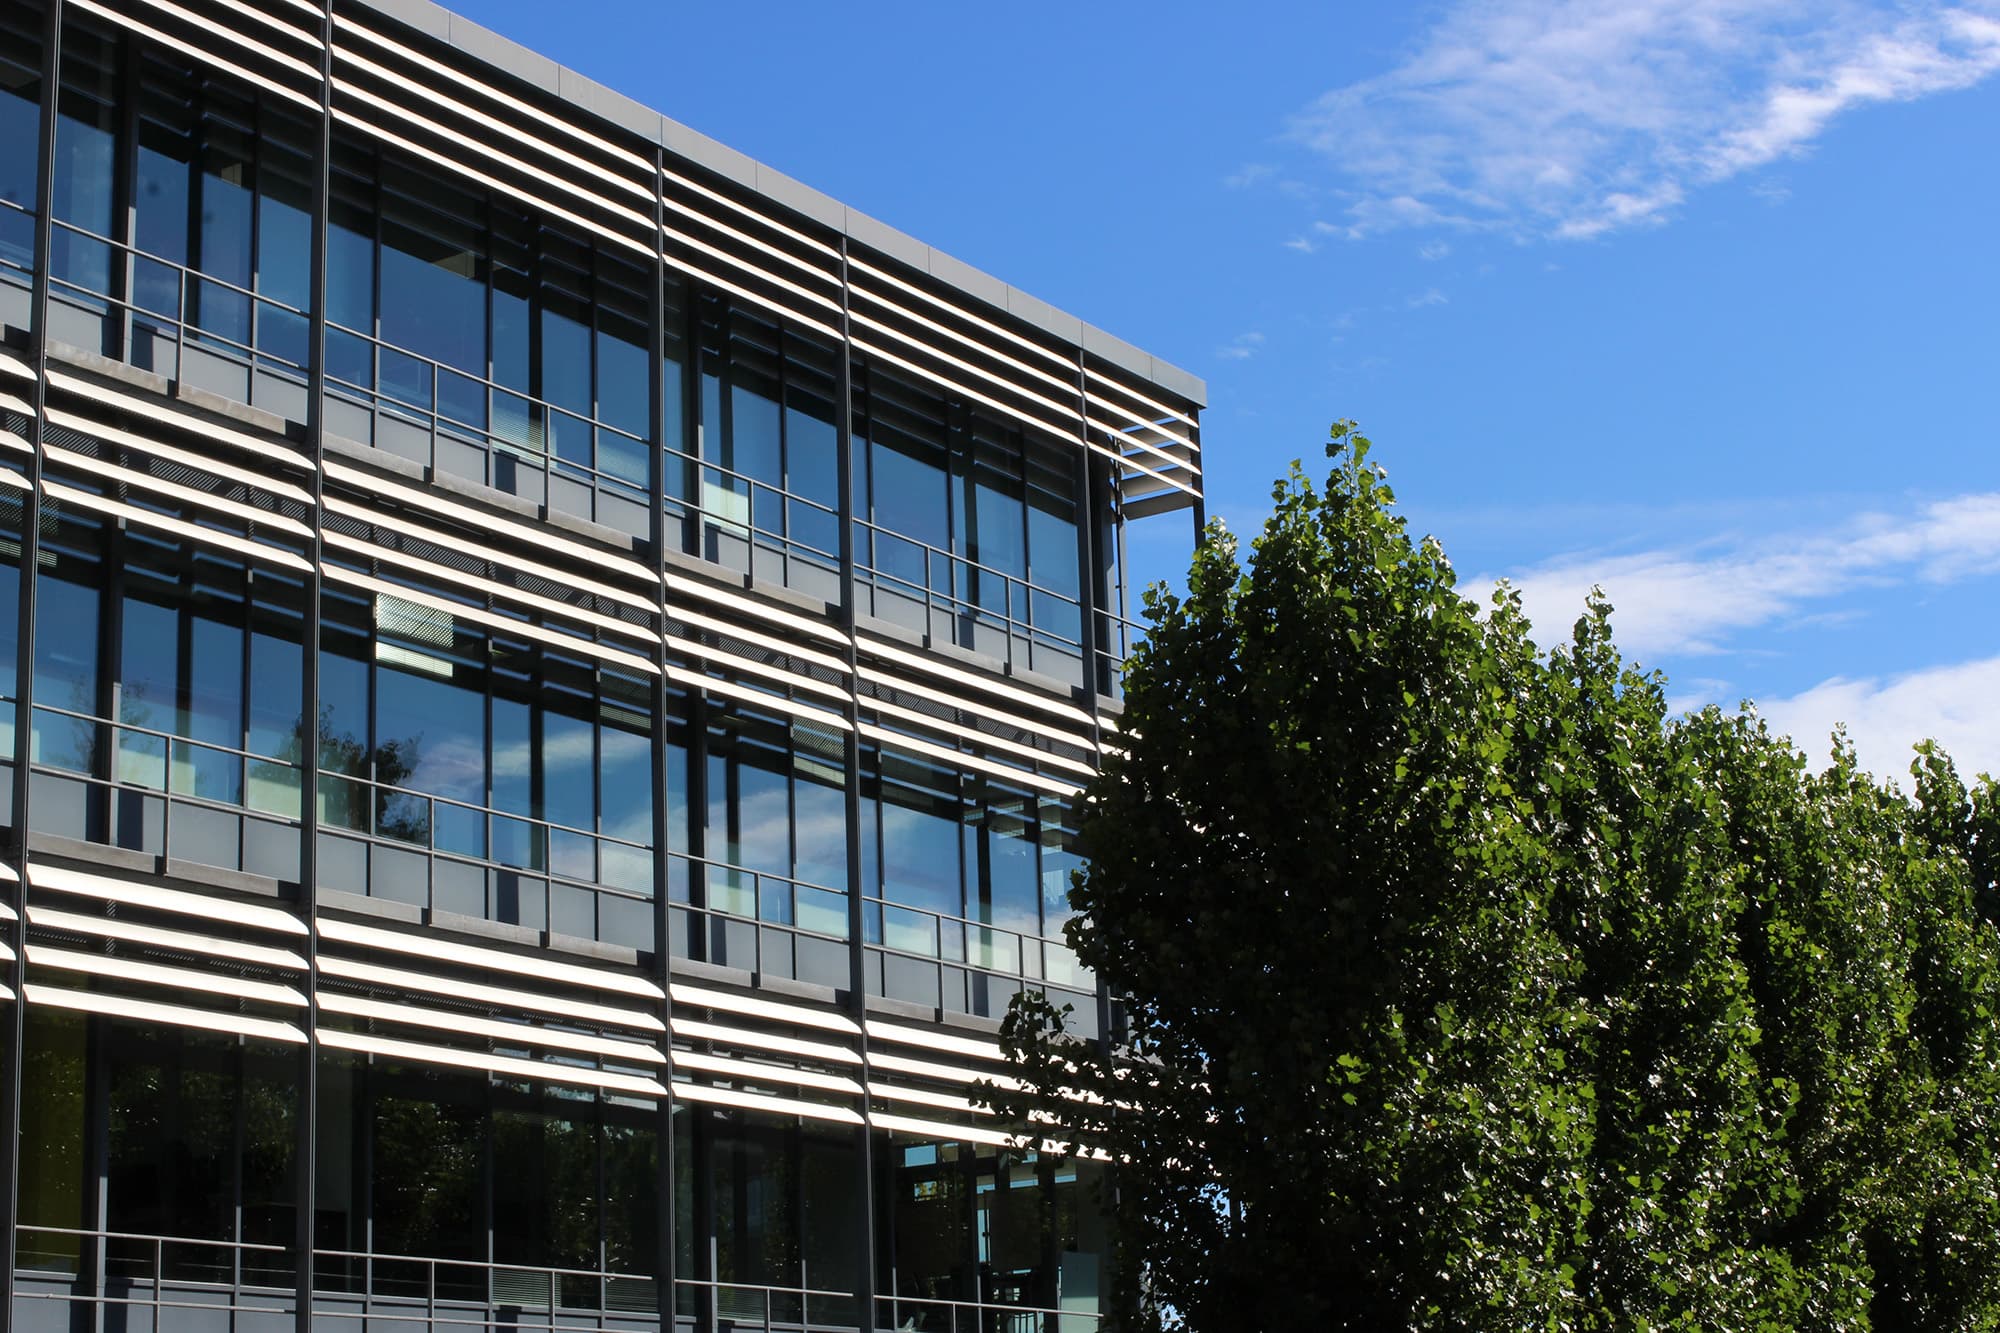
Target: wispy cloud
1434,251
1690,600
1429,296
1241,348
1571,118
1885,716
1249,174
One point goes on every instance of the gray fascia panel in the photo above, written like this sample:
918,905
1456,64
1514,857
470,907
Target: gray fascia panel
1107,347
593,98
1044,316
801,198
707,153
882,237
1175,380
979,285
488,47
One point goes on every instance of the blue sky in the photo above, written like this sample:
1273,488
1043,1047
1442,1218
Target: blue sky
1699,300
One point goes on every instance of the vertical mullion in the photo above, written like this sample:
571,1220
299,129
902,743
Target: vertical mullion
857,950
124,199
663,953
30,544
305,1115
1094,684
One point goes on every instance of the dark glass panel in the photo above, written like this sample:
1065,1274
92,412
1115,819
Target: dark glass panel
1082,1244
52,1139
753,1192
631,1201
171,1167
685,1172
270,1109
545,1197
927,1192
833,1221
429,1150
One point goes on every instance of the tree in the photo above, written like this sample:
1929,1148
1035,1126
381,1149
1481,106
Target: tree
1465,987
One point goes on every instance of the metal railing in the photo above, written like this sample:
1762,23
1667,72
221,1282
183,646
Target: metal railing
908,1314
963,590
925,933
167,766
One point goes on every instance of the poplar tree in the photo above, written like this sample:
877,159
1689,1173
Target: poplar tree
1464,986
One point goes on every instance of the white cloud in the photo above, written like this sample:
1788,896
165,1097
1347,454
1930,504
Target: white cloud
1690,600
1434,251
1427,297
1952,705
1571,118
1305,245
1241,348
1251,173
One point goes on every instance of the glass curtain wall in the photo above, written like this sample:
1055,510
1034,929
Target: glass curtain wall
973,873
966,526
960,1224
473,772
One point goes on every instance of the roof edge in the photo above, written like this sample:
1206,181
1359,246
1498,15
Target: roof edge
594,99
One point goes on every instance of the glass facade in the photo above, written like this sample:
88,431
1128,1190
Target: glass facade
544,700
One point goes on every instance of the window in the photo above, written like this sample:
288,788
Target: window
777,809
20,134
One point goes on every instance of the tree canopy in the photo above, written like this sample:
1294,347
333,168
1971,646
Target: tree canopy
1464,986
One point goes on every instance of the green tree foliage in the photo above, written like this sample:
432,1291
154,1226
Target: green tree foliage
1467,988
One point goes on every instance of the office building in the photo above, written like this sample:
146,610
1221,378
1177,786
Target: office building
550,672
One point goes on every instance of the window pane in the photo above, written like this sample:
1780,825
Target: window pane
225,233
214,712
429,1152
65,673
919,837
433,298
20,94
